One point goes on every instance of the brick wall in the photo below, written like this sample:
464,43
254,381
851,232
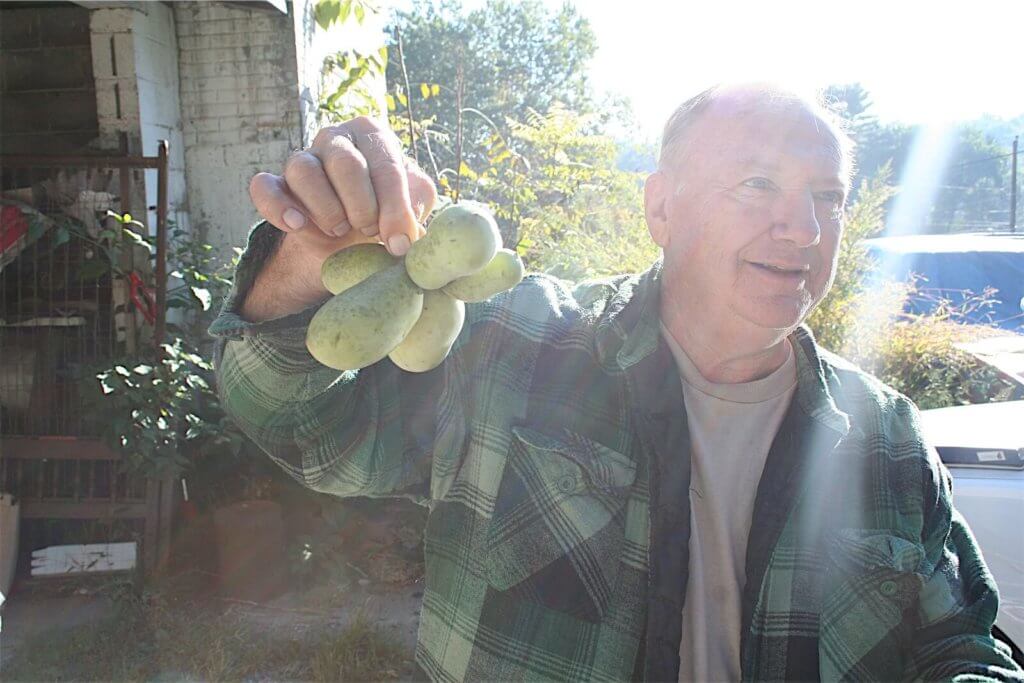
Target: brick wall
240,109
47,96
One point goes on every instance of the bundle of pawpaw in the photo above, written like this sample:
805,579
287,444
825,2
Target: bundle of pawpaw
410,309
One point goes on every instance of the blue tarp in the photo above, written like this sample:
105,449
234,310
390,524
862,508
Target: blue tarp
958,266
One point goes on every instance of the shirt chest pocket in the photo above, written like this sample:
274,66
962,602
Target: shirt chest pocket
872,591
558,527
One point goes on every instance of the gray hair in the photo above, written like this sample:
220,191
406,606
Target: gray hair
674,138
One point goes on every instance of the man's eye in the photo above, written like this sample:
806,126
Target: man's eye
759,183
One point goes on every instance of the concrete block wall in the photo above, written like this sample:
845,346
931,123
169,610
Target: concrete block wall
47,94
240,109
134,59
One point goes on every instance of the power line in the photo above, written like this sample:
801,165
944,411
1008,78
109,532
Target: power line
978,161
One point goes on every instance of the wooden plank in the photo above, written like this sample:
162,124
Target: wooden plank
56,447
48,509
152,529
58,161
168,491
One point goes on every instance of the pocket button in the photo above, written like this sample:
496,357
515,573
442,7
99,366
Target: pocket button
567,483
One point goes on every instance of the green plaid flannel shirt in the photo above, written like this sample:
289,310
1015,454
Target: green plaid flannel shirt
555,545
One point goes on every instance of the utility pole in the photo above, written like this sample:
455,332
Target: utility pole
1013,187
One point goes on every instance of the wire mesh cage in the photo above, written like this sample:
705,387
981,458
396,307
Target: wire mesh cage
80,285
76,288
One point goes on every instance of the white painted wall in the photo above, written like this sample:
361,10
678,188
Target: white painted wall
135,65
156,72
240,109
233,89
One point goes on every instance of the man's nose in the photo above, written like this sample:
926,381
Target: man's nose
796,219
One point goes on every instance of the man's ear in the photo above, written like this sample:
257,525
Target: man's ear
656,195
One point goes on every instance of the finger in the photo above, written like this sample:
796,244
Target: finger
307,180
348,173
273,200
386,167
422,192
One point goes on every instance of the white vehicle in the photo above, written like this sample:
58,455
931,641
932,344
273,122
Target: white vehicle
983,447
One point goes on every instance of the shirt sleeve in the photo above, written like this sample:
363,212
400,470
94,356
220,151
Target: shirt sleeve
959,599
367,432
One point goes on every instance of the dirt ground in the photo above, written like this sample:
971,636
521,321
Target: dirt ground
348,568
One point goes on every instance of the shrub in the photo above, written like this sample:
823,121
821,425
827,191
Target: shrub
915,354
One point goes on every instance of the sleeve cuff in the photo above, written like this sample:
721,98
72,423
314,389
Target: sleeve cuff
289,330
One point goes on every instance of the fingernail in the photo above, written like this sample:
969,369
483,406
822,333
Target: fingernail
341,228
294,219
369,231
398,245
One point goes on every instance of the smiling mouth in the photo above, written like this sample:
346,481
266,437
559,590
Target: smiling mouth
795,270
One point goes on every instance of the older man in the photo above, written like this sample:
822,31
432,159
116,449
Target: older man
657,476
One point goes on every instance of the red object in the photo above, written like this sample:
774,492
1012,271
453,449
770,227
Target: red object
13,226
142,297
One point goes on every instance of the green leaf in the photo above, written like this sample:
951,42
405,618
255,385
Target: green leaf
390,102
425,91
360,12
326,12
93,270
435,90
36,228
346,8
61,236
138,239
403,99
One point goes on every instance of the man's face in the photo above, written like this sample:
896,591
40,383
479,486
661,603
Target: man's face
750,218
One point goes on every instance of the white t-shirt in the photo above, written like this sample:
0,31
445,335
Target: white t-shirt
732,427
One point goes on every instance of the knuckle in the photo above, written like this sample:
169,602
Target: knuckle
333,217
301,166
326,137
387,169
363,217
365,123
344,161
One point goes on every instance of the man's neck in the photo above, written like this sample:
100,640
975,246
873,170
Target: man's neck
722,355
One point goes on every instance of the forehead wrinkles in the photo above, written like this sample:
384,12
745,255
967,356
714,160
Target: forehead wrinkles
762,138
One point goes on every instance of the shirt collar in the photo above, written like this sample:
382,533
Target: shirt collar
629,332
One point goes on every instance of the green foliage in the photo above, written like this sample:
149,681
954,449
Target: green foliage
350,74
865,323
328,12
559,198
163,414
159,408
347,75
514,58
835,318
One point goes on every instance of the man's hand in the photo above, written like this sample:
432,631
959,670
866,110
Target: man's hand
352,185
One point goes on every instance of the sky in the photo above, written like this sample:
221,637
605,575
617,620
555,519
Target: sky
922,61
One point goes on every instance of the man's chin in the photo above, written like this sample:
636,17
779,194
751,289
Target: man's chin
776,317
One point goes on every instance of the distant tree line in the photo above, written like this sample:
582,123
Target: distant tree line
972,189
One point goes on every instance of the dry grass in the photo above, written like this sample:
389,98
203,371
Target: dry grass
154,636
